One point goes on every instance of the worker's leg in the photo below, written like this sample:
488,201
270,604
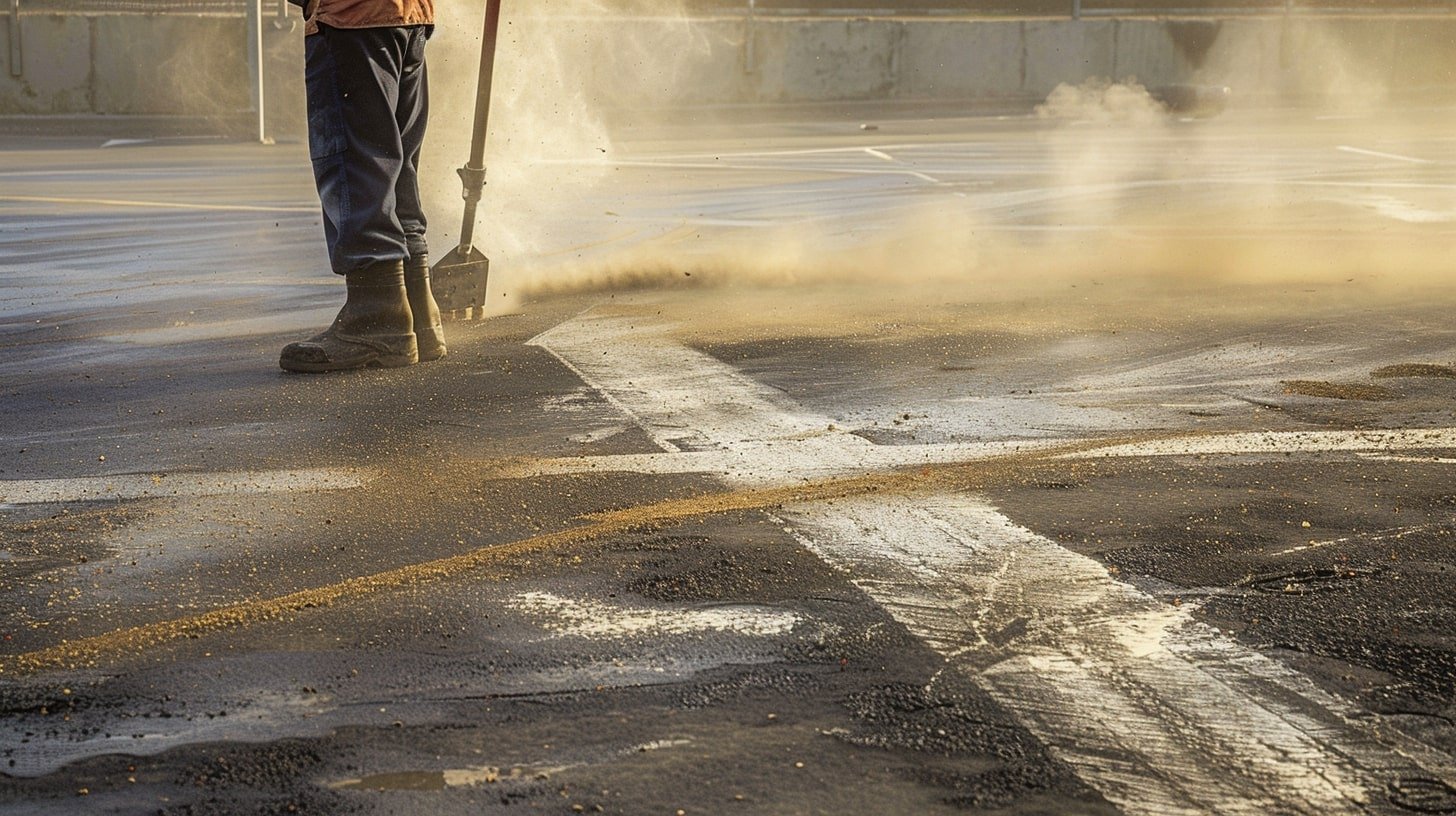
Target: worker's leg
412,112
353,79
354,139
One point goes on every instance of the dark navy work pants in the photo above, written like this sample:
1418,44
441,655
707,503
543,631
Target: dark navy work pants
367,105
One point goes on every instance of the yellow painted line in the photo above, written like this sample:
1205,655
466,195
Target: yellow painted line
90,651
164,205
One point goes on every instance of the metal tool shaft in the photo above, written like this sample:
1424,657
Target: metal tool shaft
472,175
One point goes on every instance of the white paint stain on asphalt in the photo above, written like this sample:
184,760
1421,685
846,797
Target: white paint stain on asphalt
594,619
483,774
173,485
1391,534
1161,714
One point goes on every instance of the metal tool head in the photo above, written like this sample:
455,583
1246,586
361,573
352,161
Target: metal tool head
458,280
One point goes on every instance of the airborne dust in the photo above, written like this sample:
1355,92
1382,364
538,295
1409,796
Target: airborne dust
1137,213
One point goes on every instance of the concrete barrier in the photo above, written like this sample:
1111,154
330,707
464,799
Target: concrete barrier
960,59
169,64
56,75
146,66
196,66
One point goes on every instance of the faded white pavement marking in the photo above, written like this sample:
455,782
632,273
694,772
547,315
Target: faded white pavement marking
597,619
1360,151
1158,712
164,485
1268,442
754,462
163,205
760,463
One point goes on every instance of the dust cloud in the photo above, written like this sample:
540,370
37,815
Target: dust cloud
562,80
1102,101
1137,214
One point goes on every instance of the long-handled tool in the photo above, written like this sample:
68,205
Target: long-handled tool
459,277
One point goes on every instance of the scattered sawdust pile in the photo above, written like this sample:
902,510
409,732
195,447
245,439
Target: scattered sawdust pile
1339,391
1414,370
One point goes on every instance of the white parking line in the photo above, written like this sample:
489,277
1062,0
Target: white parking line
806,169
1158,712
164,485
164,205
759,462
1379,155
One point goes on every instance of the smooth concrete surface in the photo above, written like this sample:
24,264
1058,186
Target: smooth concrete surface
147,65
1067,51
959,59
841,59
1147,51
197,68
56,69
191,66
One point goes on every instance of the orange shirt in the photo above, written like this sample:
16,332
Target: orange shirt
368,13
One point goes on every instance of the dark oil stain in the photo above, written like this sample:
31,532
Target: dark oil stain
1339,391
1415,370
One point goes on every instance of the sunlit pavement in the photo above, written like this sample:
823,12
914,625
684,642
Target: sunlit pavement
939,465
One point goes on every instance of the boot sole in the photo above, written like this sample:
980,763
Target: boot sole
382,361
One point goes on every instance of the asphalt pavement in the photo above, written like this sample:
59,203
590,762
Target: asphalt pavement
1088,462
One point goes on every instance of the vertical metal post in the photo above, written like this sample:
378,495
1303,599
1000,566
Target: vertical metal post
750,36
1076,9
17,61
255,65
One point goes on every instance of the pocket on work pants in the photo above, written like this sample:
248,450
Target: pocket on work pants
326,135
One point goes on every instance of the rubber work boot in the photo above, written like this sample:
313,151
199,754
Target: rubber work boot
428,331
373,329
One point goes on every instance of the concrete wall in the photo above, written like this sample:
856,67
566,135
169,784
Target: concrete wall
1261,58
139,65
56,74
197,66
